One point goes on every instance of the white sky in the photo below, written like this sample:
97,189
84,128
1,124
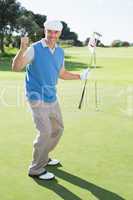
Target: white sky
112,18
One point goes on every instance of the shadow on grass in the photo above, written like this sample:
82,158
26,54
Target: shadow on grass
98,192
97,67
75,66
6,61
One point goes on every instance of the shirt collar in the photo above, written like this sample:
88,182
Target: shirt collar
44,43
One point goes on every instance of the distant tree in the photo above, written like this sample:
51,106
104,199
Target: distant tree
40,19
125,44
26,24
72,36
30,23
102,45
116,43
86,41
78,43
67,34
119,43
9,11
65,31
16,19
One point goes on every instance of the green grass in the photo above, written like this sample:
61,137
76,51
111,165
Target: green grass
96,148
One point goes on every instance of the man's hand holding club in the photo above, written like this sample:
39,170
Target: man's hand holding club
85,74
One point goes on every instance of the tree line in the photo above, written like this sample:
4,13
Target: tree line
16,21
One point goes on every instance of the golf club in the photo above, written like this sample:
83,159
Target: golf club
82,95
83,91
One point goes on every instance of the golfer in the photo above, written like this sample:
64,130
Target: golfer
44,61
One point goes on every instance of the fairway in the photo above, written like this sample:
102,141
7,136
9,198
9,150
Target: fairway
96,149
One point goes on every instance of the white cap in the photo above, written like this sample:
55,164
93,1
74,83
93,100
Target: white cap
54,25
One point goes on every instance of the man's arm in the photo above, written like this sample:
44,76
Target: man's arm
20,60
66,75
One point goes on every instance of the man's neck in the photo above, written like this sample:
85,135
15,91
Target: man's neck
50,44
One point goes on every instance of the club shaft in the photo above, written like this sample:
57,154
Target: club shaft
82,96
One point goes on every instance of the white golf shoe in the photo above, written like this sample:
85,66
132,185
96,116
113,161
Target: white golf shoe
44,176
53,162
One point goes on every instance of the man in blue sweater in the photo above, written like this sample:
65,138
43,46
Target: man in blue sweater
44,61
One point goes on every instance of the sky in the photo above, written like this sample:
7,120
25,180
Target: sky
112,18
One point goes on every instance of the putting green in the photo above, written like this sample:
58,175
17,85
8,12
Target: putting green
96,148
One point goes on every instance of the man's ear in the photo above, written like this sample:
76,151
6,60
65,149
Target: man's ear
60,33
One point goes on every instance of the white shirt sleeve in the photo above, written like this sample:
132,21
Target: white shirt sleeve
63,65
29,54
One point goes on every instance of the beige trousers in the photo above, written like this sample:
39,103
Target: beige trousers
49,125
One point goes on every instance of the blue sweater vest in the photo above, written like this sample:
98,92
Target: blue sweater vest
43,73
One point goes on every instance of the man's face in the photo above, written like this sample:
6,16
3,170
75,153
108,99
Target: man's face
52,35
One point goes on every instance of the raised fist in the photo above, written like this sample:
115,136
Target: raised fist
24,43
